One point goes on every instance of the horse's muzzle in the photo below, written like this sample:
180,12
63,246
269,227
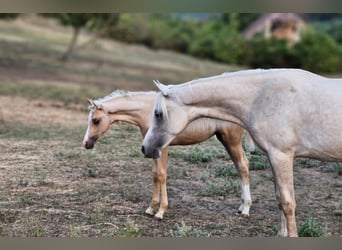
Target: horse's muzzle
155,153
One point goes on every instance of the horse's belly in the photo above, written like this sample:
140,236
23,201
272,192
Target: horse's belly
327,150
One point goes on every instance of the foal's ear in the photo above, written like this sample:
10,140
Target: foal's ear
95,104
163,88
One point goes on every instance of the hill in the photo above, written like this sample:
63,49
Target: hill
31,45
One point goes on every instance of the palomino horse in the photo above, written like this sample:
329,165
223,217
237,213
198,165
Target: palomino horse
135,108
288,112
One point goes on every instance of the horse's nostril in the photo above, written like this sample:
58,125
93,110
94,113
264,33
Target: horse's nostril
143,149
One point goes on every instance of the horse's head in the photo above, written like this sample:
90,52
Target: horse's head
98,123
169,118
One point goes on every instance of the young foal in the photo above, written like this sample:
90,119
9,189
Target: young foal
135,108
287,112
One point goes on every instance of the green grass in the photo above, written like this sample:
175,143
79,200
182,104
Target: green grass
184,230
310,228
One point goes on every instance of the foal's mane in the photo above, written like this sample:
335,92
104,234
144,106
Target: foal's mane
120,93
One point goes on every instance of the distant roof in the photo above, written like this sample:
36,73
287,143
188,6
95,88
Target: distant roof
265,20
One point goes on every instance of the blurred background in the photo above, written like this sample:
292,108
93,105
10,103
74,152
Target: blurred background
70,57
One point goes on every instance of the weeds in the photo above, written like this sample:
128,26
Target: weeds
183,230
258,162
310,228
220,187
332,167
131,229
224,170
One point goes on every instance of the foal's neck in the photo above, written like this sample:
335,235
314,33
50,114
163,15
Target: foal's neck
134,109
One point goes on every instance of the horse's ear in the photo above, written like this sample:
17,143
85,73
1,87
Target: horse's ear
90,102
163,88
95,104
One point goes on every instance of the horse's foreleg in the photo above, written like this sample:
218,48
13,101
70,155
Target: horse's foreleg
155,193
162,175
282,167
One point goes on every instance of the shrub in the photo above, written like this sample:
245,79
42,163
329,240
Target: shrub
310,228
318,52
204,40
230,47
268,53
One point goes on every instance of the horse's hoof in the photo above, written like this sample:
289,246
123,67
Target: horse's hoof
158,216
245,216
149,212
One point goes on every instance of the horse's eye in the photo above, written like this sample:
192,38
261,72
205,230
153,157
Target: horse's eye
158,114
96,121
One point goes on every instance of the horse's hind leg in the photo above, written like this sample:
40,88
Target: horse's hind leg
282,167
231,139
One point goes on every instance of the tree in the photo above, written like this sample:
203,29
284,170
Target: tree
93,21
8,15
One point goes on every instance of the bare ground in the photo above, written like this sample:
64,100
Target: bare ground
51,186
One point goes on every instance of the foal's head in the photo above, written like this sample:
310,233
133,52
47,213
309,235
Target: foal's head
98,123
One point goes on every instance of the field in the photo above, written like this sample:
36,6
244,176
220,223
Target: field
51,186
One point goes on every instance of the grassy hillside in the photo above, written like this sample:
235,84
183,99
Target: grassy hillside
30,47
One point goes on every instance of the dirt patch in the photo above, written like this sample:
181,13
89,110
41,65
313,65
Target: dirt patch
17,109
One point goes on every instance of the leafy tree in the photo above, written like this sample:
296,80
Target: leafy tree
241,20
8,15
83,20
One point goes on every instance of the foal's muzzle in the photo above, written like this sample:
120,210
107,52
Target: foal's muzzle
90,143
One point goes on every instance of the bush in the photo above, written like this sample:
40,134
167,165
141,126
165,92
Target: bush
204,39
172,34
230,47
310,228
318,52
269,53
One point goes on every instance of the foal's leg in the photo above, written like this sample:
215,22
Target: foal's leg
282,167
156,186
231,139
162,174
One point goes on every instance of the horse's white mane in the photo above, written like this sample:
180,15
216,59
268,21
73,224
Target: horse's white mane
233,73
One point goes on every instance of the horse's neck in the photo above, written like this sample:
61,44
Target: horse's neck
224,98
133,109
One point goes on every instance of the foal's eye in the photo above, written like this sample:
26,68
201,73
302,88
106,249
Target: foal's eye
96,121
158,114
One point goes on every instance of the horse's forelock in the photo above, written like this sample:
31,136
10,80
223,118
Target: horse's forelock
161,105
91,107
